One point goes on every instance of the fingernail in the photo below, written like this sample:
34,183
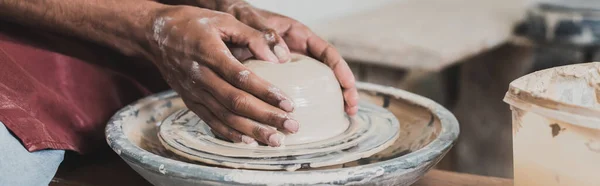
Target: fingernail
272,57
281,53
286,105
291,125
275,139
248,139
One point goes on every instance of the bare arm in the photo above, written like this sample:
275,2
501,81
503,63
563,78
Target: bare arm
295,37
218,5
189,45
113,23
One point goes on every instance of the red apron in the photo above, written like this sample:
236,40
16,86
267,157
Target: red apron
58,92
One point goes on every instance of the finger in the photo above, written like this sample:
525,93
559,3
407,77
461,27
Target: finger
216,125
246,126
259,43
240,53
241,104
351,97
280,49
351,110
328,55
218,135
295,37
262,133
351,104
251,17
236,74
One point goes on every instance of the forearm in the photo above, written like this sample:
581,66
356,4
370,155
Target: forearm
114,23
217,5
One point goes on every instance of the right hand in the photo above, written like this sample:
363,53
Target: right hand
189,46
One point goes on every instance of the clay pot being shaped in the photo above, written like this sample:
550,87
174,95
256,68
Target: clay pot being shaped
315,92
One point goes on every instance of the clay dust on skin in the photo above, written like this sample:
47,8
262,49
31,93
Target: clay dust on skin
276,92
158,26
270,37
243,76
250,141
158,29
285,103
228,54
204,21
195,72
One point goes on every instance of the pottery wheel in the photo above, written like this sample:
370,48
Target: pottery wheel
371,130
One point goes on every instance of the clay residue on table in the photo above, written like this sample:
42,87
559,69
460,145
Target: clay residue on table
424,34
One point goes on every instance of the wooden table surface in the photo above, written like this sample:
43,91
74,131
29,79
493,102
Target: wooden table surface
424,35
445,178
433,178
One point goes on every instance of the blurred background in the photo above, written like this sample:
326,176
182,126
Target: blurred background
460,53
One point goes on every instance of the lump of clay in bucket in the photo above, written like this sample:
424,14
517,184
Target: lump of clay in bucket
315,92
573,84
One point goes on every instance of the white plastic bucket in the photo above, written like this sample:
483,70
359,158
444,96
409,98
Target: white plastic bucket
556,126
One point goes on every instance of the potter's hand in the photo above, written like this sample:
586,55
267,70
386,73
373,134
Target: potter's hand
299,39
191,50
297,36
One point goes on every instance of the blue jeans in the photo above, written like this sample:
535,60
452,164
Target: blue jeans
23,168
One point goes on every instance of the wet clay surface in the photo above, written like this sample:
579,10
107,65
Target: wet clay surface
315,92
372,130
427,133
417,128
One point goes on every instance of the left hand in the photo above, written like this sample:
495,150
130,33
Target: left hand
298,38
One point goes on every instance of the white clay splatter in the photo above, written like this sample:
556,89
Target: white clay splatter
276,91
204,21
282,115
248,139
228,54
195,72
162,43
243,75
158,26
162,169
277,178
270,37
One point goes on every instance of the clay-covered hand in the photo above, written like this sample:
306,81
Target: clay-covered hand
300,39
190,47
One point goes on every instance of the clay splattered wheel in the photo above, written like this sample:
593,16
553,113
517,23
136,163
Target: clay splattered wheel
371,130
